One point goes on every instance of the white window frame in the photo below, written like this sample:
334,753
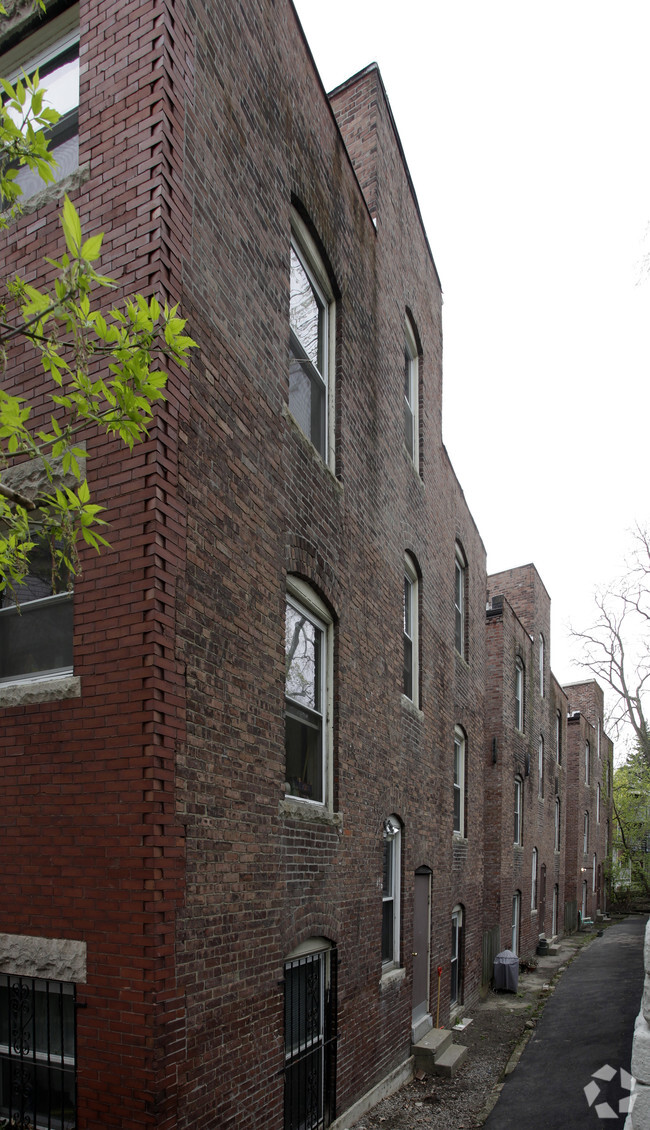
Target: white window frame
558,737
598,740
585,834
411,613
541,666
557,828
304,600
520,680
391,889
587,763
518,828
533,880
304,246
460,761
555,911
540,767
598,803
455,963
460,581
411,396
516,922
56,37
593,873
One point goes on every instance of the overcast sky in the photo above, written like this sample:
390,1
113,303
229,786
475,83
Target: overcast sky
526,130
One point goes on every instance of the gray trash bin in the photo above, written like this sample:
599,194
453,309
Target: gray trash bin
506,971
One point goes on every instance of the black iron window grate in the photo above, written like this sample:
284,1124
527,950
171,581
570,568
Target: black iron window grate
310,1041
37,1054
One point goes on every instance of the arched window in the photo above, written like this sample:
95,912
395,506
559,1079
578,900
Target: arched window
460,601
558,737
519,694
541,665
411,618
585,837
533,881
456,979
390,914
557,824
516,922
411,395
540,767
308,684
460,761
311,319
518,812
556,905
587,763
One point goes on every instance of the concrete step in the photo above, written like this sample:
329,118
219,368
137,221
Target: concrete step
428,1050
448,1063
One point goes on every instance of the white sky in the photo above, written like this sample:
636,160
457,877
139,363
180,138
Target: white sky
526,130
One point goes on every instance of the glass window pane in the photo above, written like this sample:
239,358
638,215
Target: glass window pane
303,659
306,313
36,639
304,753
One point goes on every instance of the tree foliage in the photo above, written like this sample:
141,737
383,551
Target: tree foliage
99,366
616,648
631,802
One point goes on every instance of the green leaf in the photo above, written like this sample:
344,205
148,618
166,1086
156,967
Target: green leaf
71,226
92,247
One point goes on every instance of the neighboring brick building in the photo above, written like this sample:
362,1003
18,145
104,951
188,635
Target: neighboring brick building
244,803
589,777
525,778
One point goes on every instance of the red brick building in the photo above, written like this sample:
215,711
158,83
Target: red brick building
244,786
589,778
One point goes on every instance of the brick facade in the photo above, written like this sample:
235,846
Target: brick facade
148,818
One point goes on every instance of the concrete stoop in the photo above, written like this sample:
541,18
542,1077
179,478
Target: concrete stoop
436,1054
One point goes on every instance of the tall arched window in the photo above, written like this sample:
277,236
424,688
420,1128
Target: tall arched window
533,881
311,365
460,594
540,767
519,694
308,686
541,665
411,395
390,919
456,979
460,761
519,812
411,618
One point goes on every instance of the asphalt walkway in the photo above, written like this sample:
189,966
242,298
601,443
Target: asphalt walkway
582,1039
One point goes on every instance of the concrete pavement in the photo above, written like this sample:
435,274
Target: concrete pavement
586,1026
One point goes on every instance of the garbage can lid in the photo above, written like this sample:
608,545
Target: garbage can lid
506,957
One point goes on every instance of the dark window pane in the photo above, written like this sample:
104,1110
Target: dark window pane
36,639
304,753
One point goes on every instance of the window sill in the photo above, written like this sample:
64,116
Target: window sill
310,813
30,692
409,705
459,838
316,456
460,658
392,979
54,192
